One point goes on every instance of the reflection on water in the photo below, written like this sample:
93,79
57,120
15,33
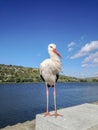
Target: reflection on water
21,102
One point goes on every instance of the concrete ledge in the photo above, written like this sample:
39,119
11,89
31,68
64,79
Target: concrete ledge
81,117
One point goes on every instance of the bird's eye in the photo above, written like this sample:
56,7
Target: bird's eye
50,46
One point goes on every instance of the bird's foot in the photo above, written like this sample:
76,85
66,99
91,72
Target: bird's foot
46,114
56,114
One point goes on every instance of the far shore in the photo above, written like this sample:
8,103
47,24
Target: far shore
43,82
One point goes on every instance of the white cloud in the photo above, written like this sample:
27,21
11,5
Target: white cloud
71,44
84,65
70,49
91,60
86,49
96,73
93,57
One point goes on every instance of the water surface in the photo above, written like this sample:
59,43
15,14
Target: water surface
21,102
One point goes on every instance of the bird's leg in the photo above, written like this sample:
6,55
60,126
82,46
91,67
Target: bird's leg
47,96
55,98
55,113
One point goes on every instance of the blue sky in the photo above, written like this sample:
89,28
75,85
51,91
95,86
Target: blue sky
28,26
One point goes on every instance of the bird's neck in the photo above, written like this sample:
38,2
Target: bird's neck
55,58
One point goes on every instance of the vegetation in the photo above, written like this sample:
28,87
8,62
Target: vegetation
16,74
10,73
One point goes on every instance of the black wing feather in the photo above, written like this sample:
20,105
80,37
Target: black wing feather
42,78
57,76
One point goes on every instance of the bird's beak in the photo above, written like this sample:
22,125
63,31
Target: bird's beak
55,51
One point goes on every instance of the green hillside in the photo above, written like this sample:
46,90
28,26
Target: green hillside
15,74
10,73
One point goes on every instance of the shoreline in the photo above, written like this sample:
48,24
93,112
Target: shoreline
43,82
30,125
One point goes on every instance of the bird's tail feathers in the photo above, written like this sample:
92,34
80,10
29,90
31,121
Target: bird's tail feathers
50,85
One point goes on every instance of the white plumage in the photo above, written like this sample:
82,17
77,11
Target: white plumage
49,71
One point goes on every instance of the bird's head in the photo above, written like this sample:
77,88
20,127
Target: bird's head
53,51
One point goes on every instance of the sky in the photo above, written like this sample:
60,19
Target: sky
28,26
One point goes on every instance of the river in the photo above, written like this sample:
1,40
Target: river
21,102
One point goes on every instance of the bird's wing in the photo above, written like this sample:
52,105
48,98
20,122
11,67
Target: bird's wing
47,68
57,76
41,74
42,78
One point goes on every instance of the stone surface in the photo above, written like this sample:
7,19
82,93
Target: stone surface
81,117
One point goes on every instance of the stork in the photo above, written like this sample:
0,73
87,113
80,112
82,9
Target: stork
49,72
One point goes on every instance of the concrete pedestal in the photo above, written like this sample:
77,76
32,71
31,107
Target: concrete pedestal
81,117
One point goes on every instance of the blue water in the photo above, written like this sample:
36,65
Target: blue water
21,102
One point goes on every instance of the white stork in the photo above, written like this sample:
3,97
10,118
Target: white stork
49,72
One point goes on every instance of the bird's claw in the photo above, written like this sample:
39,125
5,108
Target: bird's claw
56,114
46,114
